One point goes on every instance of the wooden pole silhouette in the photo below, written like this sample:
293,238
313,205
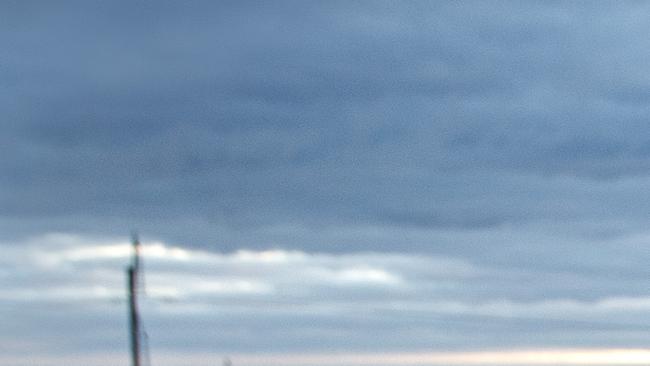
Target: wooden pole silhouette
134,316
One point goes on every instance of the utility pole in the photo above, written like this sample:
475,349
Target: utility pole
134,317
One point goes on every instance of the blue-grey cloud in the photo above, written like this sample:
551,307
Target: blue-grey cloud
253,301
509,136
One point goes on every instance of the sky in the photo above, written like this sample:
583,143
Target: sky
326,182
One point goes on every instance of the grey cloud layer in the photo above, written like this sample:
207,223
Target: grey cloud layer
499,137
293,301
448,115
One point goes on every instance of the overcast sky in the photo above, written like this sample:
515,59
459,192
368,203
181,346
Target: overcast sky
418,179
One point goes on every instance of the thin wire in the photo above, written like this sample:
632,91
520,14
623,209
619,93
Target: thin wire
147,355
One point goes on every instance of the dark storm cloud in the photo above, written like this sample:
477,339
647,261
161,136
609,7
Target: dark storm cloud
216,120
509,135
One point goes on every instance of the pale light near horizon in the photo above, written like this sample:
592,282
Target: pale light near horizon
514,357
533,357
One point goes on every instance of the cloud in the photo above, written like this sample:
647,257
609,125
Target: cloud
461,163
70,291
